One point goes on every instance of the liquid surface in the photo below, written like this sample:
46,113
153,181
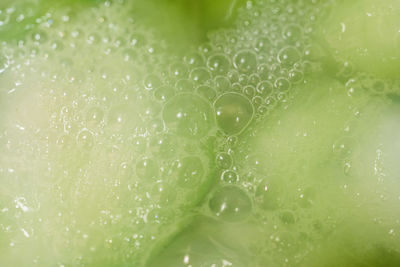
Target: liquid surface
179,133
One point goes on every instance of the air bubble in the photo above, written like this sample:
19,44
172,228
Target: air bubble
231,204
233,112
94,115
164,93
282,84
245,61
152,81
224,160
229,176
190,171
188,116
85,139
265,88
207,92
288,56
219,64
178,70
147,169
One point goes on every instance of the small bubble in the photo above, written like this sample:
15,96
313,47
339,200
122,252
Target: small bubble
245,61
219,64
147,169
224,160
233,112
230,203
229,176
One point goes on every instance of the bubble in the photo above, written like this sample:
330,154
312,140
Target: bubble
219,64
178,70
269,193
188,116
184,85
224,160
39,37
194,59
152,81
206,92
158,216
265,88
94,115
254,79
222,83
229,176
288,56
164,93
296,76
200,75
282,84
147,169
233,112
292,33
245,61
139,144
345,146
257,101
118,115
190,171
85,138
231,204
164,144
137,40
249,91
263,44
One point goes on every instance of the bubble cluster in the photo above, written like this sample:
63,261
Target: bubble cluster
114,146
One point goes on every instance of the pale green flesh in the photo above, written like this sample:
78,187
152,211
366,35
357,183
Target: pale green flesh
172,133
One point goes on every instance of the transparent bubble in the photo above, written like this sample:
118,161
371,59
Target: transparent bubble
219,64
296,76
234,112
139,144
184,85
257,101
288,56
269,193
147,169
254,79
94,115
206,92
164,93
118,115
292,33
152,81
85,138
188,116
200,75
245,61
137,40
190,171
164,144
229,176
282,84
249,91
194,59
178,70
224,160
345,146
265,88
263,44
230,203
222,83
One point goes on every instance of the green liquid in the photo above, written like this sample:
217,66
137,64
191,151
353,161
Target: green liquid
182,133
